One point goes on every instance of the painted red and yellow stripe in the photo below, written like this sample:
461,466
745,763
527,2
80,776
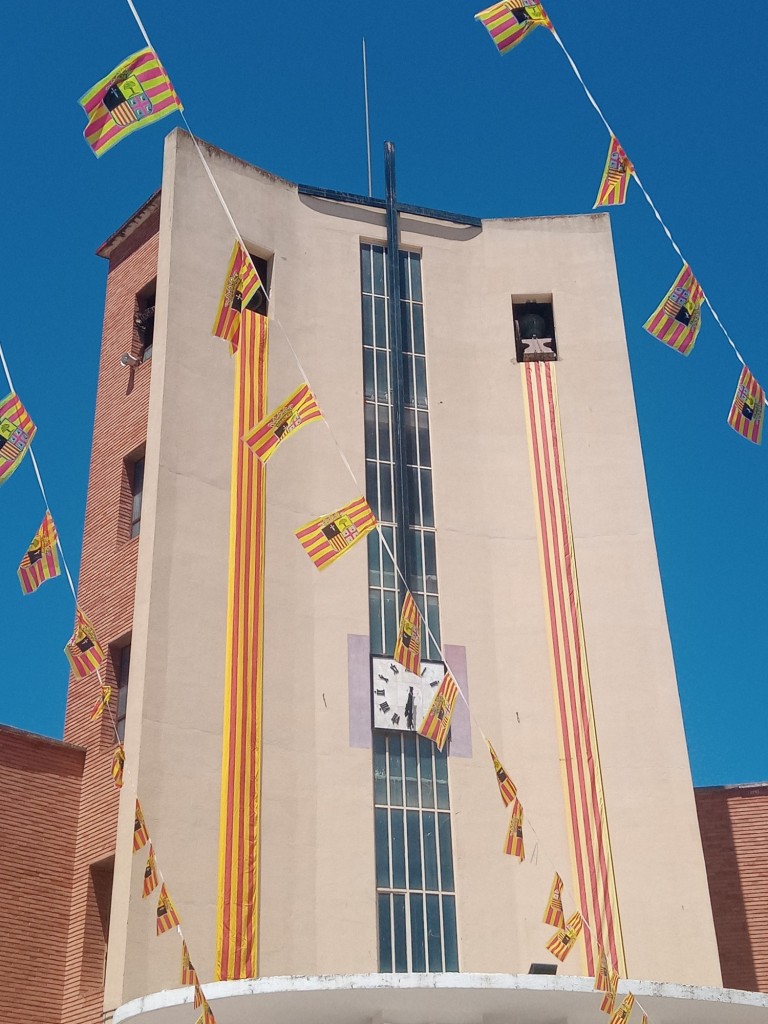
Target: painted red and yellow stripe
238,900
582,778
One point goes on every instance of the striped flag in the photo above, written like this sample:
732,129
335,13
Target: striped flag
16,433
150,874
510,21
437,720
137,93
118,765
98,708
140,833
513,844
563,941
507,787
609,999
199,998
616,175
328,537
41,561
747,411
291,415
554,914
408,646
188,972
83,650
677,319
602,971
624,1012
167,917
240,285
206,1017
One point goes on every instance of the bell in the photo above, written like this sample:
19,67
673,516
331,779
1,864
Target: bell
532,325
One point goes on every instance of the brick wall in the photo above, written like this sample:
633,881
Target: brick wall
734,833
106,593
39,798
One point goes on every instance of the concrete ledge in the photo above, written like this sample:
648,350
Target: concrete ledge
443,998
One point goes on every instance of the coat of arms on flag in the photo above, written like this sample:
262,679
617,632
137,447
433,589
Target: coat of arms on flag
748,408
330,536
408,646
136,93
16,433
140,832
83,650
554,915
507,787
510,21
41,561
150,874
291,415
437,721
118,766
616,175
167,917
240,285
563,941
677,318
513,844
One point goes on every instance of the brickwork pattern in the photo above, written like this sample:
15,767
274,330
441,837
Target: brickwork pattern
106,593
39,799
734,834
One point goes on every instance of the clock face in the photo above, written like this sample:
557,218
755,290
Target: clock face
400,698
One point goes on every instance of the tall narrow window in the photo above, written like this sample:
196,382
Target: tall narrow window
144,319
414,860
122,668
136,478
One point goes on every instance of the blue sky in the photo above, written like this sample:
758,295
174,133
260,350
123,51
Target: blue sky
280,86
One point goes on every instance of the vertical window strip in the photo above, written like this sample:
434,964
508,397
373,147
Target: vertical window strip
416,903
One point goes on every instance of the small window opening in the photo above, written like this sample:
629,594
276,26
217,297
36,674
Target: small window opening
144,320
534,330
121,660
258,303
136,481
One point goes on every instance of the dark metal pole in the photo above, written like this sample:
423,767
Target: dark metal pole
396,373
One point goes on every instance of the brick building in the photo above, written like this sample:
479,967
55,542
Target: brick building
265,732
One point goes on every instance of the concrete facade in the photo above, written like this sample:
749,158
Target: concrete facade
317,872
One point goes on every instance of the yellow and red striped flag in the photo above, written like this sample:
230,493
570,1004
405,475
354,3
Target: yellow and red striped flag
677,318
408,645
513,844
199,997
136,93
748,408
624,1012
563,941
167,917
98,708
140,833
206,1017
609,999
510,21
291,415
118,765
645,1018
240,285
41,562
150,874
616,175
437,721
83,650
16,433
188,972
554,914
507,787
330,536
